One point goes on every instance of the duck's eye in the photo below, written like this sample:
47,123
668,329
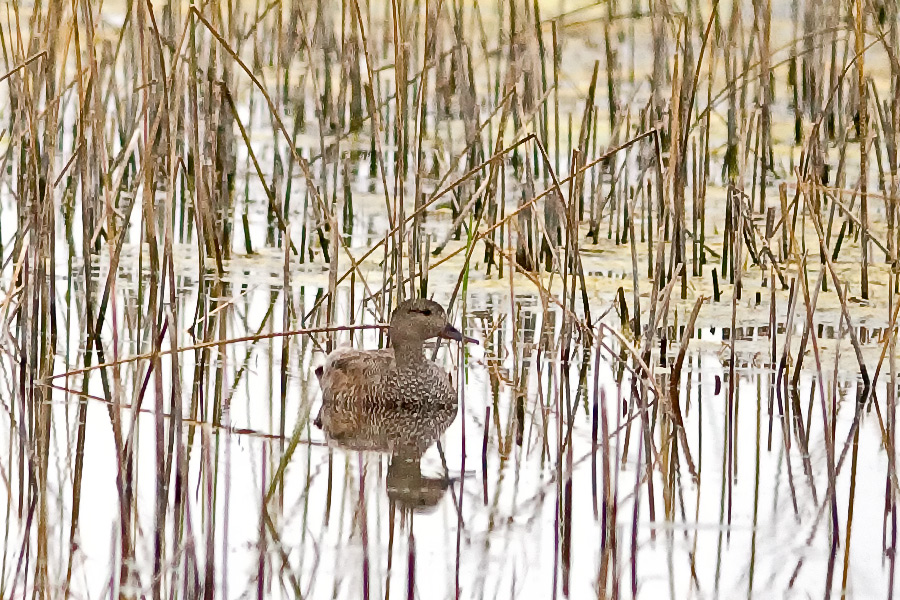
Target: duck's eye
423,311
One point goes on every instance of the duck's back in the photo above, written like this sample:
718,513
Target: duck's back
357,375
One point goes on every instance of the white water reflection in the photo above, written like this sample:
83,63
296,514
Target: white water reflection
507,545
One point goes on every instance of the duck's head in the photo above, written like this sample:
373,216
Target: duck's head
415,321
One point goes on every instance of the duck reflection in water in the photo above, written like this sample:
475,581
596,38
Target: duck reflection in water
393,400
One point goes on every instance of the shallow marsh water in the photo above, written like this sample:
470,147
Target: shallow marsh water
496,529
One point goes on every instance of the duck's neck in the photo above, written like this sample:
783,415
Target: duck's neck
408,353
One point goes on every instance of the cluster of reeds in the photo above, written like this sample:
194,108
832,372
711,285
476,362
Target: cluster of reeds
157,156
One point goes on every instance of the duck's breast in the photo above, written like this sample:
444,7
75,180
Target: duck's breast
426,383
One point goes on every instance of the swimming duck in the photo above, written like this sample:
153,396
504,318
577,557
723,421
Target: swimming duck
357,383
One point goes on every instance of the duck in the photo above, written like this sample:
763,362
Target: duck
359,385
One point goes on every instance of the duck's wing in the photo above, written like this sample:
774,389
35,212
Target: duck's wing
354,373
349,378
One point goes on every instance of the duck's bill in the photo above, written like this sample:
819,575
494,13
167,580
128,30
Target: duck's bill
452,333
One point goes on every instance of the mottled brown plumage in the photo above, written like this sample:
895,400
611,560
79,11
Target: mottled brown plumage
372,399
